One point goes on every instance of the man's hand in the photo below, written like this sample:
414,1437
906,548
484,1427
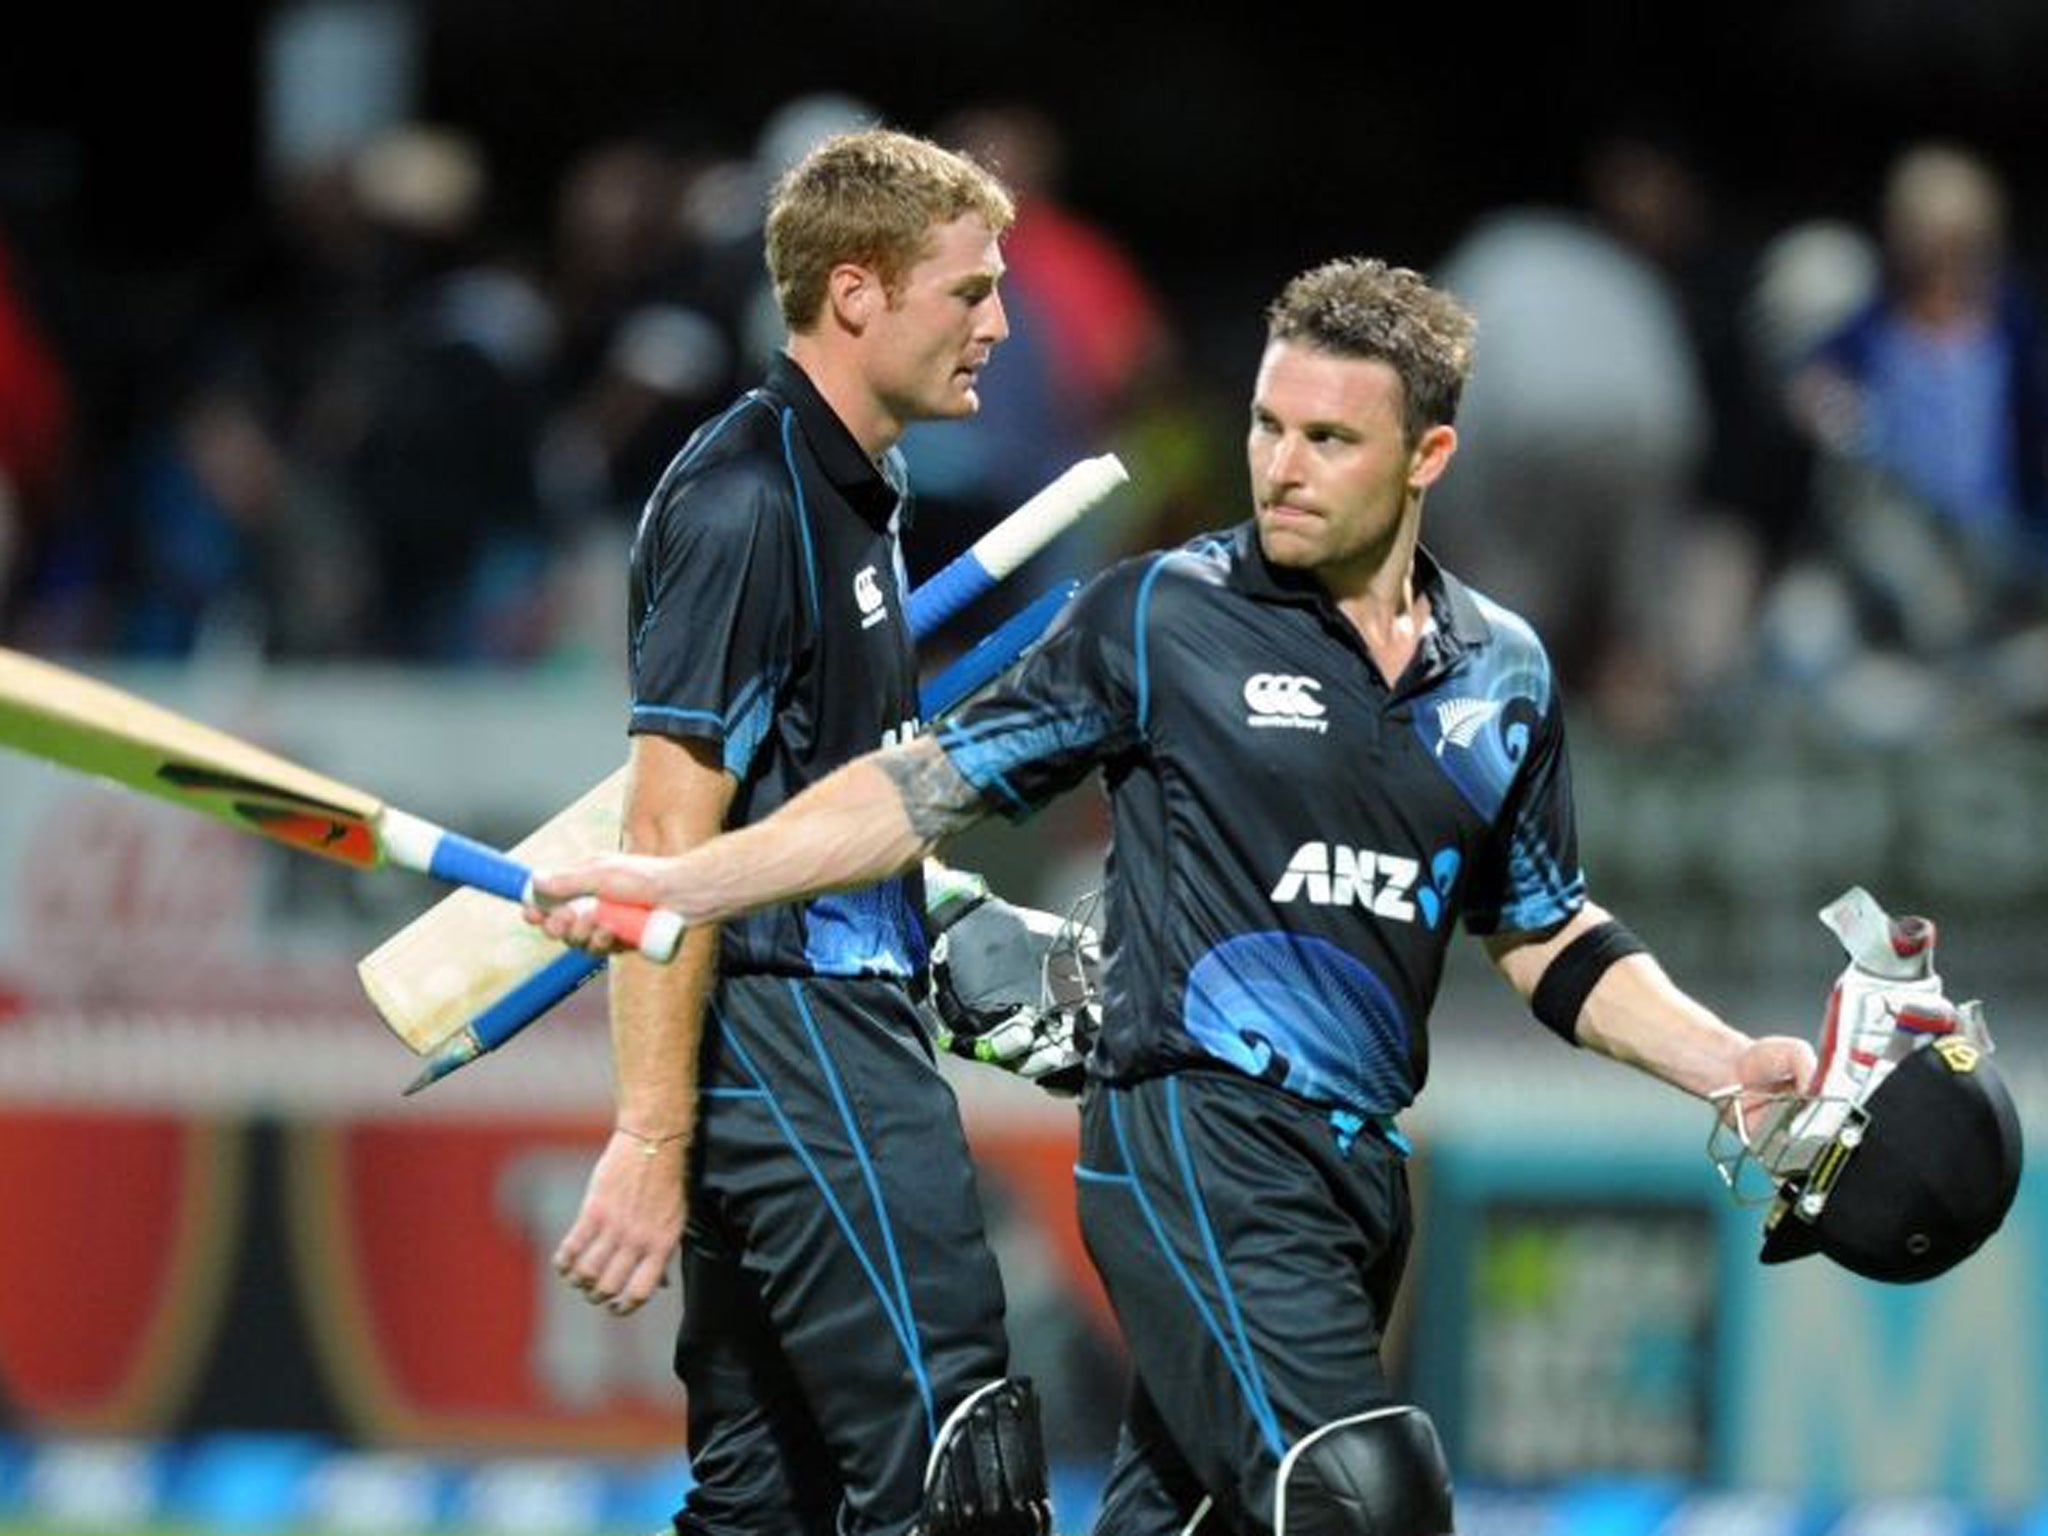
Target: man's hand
627,877
631,1221
1769,1068
871,819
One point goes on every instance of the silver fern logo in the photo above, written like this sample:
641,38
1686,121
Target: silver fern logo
1459,721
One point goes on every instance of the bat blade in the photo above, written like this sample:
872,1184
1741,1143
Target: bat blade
78,722
429,979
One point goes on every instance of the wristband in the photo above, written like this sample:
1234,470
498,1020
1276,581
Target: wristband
1570,978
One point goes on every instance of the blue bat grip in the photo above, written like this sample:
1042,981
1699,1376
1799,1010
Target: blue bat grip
464,861
959,584
993,656
532,998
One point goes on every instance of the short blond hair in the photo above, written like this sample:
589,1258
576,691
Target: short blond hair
1359,306
874,197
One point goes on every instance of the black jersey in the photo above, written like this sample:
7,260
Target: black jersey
1292,837
767,616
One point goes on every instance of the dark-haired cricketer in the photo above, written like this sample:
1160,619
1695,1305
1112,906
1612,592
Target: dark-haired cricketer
1322,753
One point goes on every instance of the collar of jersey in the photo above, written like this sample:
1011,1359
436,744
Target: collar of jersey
1457,614
870,490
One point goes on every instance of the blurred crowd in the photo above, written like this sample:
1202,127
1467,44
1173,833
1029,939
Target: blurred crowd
1719,471
1795,486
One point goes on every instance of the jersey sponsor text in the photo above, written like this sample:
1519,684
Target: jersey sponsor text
1333,875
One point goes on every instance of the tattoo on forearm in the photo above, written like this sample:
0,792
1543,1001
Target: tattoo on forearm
936,797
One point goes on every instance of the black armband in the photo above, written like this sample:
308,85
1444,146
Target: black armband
1569,979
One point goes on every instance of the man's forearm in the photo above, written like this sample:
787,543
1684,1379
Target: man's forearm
677,798
1634,1013
874,818
657,1019
1638,1015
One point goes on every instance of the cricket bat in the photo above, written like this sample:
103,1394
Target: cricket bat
464,976
76,721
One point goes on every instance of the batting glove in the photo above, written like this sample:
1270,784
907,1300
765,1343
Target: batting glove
1014,987
1887,1003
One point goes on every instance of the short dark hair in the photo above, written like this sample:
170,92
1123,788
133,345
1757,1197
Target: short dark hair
1358,306
873,196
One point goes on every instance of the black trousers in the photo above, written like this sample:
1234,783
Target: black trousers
1251,1250
839,1297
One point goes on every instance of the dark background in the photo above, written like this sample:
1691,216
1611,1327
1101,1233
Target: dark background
1227,148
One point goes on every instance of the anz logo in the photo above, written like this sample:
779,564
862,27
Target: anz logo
867,596
1277,699
1333,875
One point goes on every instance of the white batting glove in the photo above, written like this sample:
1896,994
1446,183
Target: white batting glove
1887,1003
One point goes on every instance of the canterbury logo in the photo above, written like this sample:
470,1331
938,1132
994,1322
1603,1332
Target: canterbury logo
1332,875
1275,698
1459,721
867,592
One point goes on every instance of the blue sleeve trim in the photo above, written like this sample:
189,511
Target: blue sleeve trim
1140,648
978,765
1096,1176
747,722
1532,913
669,712
803,511
984,750
742,728
703,717
711,433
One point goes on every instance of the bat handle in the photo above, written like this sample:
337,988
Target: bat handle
462,860
654,931
995,653
510,1014
946,594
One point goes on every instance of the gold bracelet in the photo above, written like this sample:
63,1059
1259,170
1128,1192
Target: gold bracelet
650,1146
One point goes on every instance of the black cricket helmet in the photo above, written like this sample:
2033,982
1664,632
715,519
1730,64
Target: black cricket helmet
1917,1178
1902,1156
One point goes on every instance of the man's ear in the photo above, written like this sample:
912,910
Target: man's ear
1431,457
854,295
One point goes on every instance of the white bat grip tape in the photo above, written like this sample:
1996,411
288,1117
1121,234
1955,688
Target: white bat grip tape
1027,530
664,931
